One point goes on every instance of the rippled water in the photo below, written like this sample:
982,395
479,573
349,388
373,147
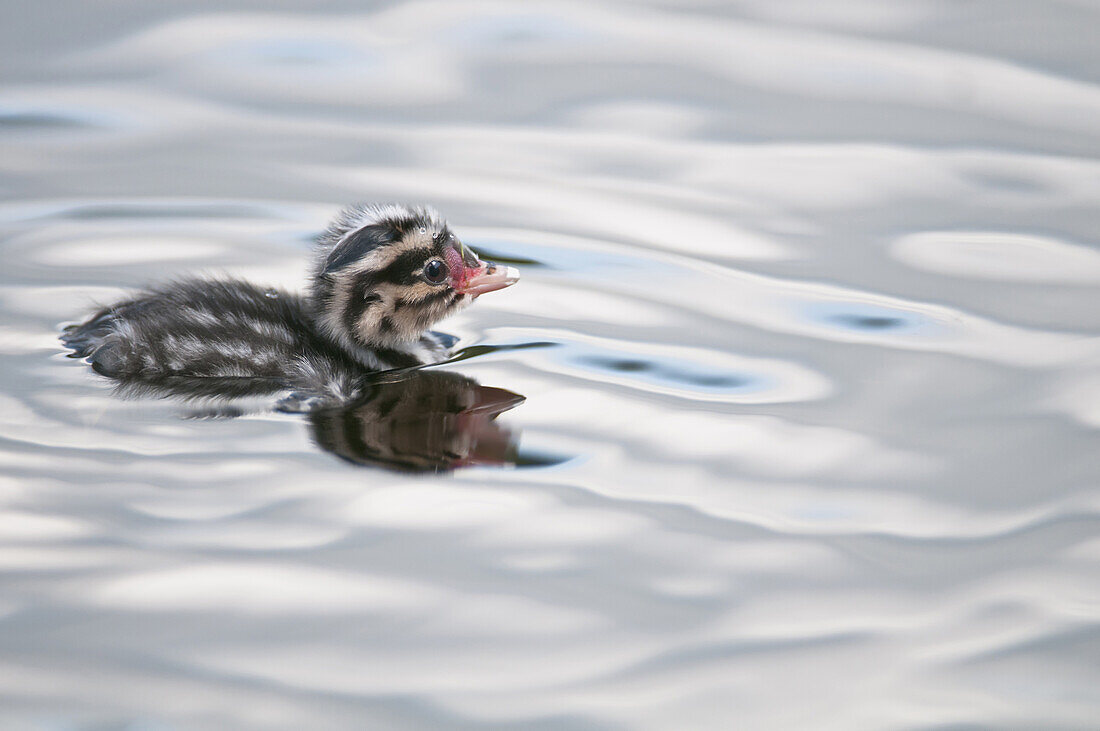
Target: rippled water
807,336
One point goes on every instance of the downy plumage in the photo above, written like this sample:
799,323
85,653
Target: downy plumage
383,275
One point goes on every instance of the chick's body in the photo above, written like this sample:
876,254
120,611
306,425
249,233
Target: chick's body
383,276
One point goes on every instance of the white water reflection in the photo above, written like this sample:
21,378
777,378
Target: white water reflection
1000,255
253,588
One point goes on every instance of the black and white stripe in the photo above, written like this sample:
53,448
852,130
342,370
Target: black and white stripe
368,308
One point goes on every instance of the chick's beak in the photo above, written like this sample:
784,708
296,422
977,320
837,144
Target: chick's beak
470,275
487,277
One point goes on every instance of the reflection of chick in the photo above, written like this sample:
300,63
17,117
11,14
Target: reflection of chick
383,276
423,421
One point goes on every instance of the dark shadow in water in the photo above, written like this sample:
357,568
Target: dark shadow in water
868,322
413,421
511,259
869,319
473,351
92,211
667,372
38,120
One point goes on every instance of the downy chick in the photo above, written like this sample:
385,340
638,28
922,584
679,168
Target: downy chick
383,275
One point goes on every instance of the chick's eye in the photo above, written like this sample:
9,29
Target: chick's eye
435,271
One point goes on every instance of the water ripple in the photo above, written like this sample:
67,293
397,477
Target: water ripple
808,290
999,255
693,374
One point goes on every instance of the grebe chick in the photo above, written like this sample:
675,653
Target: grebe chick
383,275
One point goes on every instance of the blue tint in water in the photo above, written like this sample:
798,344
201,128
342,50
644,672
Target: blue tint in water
867,319
518,29
664,371
36,120
166,209
577,262
290,53
38,116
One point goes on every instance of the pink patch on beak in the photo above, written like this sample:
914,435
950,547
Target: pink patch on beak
459,277
479,279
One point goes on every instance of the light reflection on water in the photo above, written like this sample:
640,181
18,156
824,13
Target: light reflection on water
807,334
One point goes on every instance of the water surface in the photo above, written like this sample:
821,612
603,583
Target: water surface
808,339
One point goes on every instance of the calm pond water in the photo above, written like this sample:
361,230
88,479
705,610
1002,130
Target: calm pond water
808,340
